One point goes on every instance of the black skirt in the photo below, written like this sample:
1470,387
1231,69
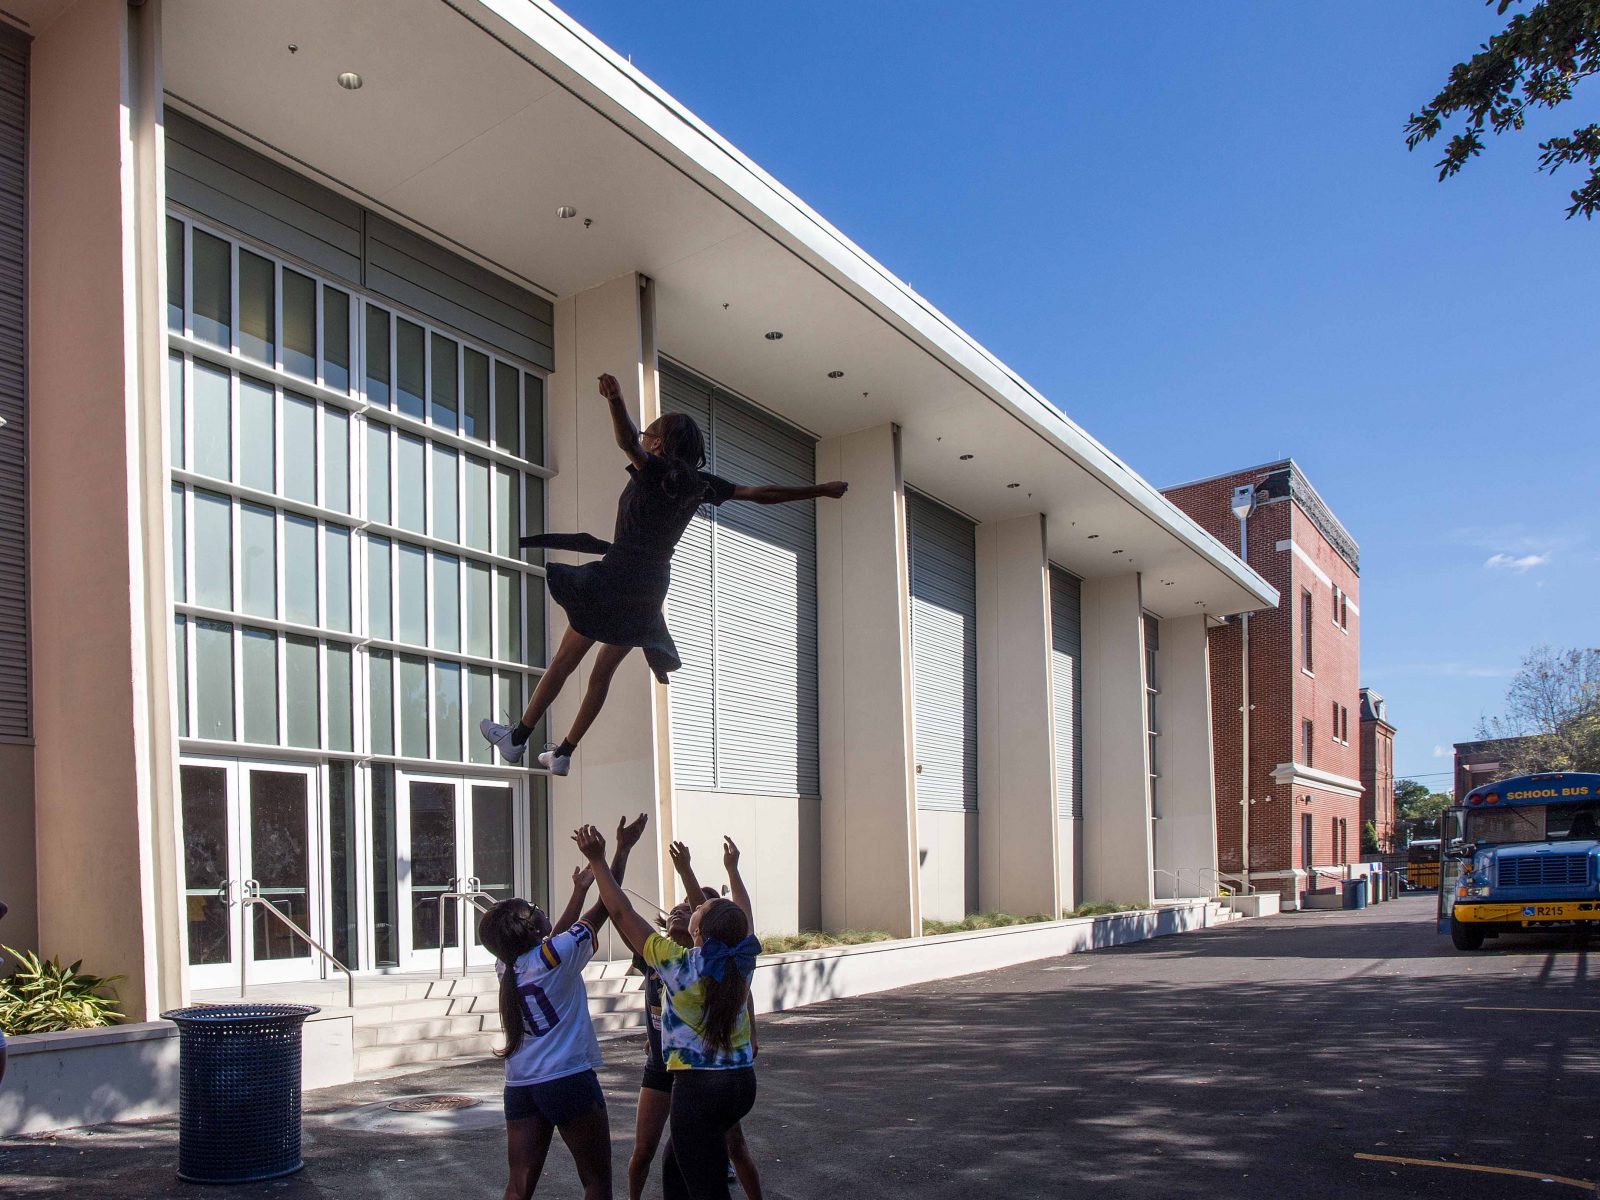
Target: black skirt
616,600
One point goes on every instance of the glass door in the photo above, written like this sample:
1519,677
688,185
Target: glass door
454,835
249,831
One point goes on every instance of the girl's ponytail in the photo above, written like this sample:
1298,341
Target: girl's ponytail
509,930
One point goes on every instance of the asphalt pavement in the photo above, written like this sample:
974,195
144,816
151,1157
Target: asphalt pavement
1322,1054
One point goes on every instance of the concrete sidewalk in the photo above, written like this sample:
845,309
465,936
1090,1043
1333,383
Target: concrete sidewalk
1254,1060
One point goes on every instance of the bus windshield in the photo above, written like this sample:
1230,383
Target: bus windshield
1533,823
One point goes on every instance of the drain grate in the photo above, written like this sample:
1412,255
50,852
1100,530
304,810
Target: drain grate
423,1104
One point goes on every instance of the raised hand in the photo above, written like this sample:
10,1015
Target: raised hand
591,843
834,490
730,854
582,878
680,855
610,388
629,832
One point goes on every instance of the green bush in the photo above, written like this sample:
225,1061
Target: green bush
1100,908
811,939
993,920
42,996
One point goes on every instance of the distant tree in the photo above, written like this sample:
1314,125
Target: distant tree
1552,709
1411,799
1369,838
1532,63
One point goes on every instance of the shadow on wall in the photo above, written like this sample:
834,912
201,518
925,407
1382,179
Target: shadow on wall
48,1086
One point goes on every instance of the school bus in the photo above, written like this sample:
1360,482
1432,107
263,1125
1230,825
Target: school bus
1422,864
1520,854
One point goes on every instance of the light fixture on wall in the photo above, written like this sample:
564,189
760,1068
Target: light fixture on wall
566,211
1013,485
350,81
966,458
775,335
835,374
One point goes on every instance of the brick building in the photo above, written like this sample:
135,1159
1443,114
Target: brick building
1377,767
1303,778
1482,761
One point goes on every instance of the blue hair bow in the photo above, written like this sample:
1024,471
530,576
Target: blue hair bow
716,955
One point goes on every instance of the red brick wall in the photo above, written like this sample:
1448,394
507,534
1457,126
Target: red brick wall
1282,695
1377,776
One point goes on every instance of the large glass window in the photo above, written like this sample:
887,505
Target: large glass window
302,619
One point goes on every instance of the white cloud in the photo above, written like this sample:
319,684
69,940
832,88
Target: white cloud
1519,564
1442,752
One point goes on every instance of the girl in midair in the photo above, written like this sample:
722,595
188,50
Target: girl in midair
551,1054
705,1026
616,601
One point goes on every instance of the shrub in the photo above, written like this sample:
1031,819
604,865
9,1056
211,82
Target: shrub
1100,908
42,996
995,920
811,939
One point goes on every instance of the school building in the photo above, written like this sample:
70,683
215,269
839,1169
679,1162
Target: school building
1284,684
1377,767
301,311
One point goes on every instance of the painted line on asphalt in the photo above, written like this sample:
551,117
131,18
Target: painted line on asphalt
1577,1012
1450,1166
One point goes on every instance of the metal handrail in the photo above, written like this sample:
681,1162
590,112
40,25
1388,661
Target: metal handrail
1201,872
1176,874
472,894
245,902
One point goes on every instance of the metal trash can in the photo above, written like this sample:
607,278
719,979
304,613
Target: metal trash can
1355,893
238,1091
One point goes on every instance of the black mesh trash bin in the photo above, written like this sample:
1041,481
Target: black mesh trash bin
238,1091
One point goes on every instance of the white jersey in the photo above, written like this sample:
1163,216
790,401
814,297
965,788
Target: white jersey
557,1034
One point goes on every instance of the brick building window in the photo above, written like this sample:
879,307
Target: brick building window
1336,595
1344,725
1307,736
1336,720
1306,610
1344,611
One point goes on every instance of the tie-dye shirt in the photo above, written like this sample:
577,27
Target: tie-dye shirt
683,976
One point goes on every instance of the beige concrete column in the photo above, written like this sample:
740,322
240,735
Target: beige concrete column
1117,860
1186,834
1016,769
104,754
619,767
869,829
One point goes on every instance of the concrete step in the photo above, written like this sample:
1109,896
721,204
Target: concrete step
381,1049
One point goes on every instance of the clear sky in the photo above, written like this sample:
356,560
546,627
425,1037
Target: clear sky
1196,229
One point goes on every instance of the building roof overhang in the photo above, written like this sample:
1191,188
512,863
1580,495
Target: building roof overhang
478,119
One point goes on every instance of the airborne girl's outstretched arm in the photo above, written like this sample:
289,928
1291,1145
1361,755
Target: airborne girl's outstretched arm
786,495
627,433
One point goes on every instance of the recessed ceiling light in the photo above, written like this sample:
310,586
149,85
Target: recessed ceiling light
966,458
1013,485
775,335
565,211
350,81
835,374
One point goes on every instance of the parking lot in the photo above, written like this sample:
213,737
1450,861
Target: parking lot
1317,1055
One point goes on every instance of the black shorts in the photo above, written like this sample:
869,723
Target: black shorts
556,1100
656,1079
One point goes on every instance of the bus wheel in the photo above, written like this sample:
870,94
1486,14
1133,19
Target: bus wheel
1465,937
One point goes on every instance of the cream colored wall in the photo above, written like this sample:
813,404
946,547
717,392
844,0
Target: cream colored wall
1116,795
947,855
869,844
1016,766
18,873
107,848
1186,834
779,840
616,771
1069,855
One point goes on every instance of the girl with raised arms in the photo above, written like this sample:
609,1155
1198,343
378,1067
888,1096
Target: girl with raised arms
705,1026
616,602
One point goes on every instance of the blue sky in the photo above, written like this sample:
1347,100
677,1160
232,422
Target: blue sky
1196,228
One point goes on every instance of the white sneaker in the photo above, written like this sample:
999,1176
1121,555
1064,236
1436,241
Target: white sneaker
499,736
556,764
